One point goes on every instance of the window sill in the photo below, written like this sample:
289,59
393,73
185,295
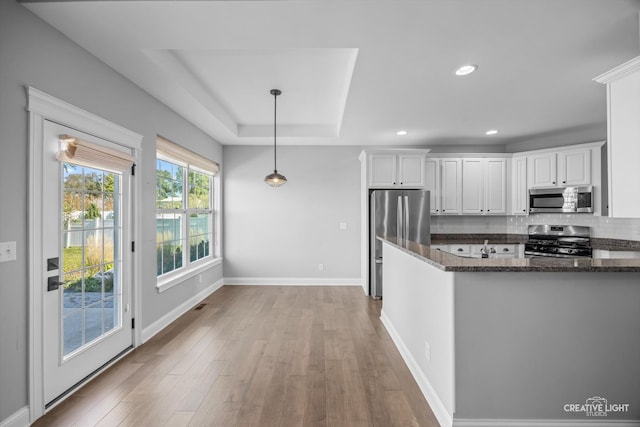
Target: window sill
175,279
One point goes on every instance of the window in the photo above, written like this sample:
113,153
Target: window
185,210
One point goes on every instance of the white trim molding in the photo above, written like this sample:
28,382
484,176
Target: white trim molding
62,112
19,418
544,423
167,319
42,108
172,280
437,406
619,71
290,281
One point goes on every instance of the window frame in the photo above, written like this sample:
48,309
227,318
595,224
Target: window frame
190,268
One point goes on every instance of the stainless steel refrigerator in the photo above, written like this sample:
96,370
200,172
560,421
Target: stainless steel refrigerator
401,214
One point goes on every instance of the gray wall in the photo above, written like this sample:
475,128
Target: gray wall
32,53
286,232
549,339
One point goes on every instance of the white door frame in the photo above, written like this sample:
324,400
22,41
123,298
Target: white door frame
41,107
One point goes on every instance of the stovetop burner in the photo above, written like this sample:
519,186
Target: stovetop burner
565,241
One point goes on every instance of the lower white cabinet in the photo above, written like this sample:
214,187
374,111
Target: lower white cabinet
475,250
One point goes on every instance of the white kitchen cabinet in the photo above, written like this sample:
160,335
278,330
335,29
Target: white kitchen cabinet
623,129
383,170
559,168
472,186
396,170
542,170
484,184
574,167
451,186
411,170
432,184
519,193
460,250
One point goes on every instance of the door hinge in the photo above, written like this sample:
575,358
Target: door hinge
133,169
133,246
133,323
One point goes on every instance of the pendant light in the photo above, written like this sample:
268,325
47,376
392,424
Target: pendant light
275,179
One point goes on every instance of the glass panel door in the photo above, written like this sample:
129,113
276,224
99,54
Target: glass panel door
91,259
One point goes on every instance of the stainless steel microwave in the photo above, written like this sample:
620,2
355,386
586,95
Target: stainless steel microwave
562,199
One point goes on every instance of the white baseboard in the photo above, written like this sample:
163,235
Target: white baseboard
288,281
545,423
164,321
19,419
439,410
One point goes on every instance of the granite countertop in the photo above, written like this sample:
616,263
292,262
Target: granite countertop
449,262
516,239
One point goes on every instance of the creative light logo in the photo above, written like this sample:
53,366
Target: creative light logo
596,406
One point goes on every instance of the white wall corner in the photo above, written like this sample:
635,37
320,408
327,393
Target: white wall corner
437,406
167,319
19,418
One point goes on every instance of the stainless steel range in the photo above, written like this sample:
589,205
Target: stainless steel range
560,241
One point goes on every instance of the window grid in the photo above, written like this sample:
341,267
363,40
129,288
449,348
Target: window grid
184,221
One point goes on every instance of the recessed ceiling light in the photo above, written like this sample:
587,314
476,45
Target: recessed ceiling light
466,69
401,132
491,132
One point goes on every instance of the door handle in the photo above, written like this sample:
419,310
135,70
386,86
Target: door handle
53,283
406,217
399,230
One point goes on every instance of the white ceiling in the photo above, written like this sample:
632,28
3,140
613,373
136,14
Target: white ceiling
354,72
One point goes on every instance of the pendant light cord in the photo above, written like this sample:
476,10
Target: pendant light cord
275,108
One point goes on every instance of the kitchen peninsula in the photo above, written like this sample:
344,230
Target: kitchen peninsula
510,341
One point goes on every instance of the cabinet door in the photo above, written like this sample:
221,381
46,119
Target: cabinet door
519,191
574,167
541,170
451,188
383,170
432,184
472,186
495,186
411,170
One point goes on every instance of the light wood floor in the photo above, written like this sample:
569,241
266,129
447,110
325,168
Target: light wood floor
259,356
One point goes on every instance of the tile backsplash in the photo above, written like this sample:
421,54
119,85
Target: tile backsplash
602,226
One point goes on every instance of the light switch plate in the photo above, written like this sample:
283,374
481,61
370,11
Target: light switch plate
343,226
7,251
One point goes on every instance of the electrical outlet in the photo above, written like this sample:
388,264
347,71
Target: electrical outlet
343,226
427,351
7,251
199,278
320,267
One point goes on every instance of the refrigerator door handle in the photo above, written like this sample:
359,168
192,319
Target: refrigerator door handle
399,228
406,218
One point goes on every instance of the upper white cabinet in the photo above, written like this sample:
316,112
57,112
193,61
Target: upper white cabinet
451,186
519,193
542,170
574,167
559,168
432,183
623,128
484,183
396,170
443,179
411,170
